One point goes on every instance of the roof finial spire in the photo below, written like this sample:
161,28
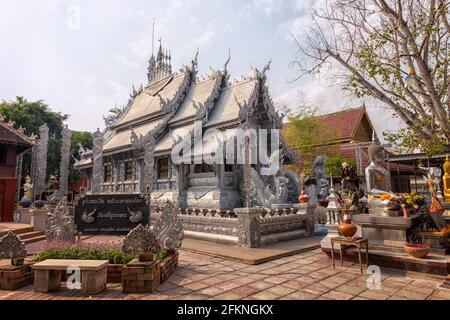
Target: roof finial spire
195,60
227,62
153,38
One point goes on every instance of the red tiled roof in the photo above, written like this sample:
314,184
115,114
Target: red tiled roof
344,123
10,135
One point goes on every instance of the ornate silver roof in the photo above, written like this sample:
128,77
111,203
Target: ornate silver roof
172,102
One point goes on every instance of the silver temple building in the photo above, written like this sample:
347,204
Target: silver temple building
169,106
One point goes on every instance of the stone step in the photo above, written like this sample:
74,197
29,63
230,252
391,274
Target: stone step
32,234
18,231
219,238
35,239
282,236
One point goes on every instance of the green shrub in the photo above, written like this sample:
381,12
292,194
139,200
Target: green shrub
113,256
162,254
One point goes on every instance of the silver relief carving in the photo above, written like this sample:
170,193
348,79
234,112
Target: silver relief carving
88,217
97,155
12,247
41,161
146,145
60,225
141,240
135,217
64,164
169,228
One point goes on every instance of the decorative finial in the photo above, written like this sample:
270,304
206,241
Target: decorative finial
195,61
227,62
266,67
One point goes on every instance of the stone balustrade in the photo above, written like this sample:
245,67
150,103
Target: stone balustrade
249,227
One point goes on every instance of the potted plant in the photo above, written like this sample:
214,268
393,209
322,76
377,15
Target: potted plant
389,201
303,198
418,249
346,227
406,204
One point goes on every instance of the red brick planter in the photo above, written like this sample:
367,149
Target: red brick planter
168,266
115,273
145,277
15,277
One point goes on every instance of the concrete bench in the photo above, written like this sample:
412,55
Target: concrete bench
47,274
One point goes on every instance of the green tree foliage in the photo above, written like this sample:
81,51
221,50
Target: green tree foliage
79,140
33,114
396,52
308,136
334,164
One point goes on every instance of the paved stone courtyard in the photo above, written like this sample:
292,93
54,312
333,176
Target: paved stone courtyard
303,276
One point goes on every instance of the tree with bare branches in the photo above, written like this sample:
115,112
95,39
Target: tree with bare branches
396,51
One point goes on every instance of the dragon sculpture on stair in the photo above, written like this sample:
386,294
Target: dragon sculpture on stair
279,189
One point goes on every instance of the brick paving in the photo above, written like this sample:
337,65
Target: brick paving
305,276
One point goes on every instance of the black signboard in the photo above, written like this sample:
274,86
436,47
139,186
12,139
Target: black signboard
111,214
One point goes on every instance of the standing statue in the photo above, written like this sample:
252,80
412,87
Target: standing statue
350,182
26,200
28,189
378,178
321,182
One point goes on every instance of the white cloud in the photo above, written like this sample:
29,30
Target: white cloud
304,5
296,27
141,47
270,7
204,39
119,91
85,73
125,60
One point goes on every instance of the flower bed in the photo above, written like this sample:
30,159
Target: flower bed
110,251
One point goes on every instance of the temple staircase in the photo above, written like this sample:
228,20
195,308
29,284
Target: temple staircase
25,232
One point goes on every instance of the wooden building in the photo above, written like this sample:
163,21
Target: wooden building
347,134
12,143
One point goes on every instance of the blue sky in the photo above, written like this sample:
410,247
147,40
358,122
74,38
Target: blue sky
82,56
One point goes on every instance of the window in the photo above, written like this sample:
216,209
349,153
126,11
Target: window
129,170
107,172
163,168
3,155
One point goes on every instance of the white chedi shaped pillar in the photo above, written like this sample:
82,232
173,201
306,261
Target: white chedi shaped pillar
333,219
